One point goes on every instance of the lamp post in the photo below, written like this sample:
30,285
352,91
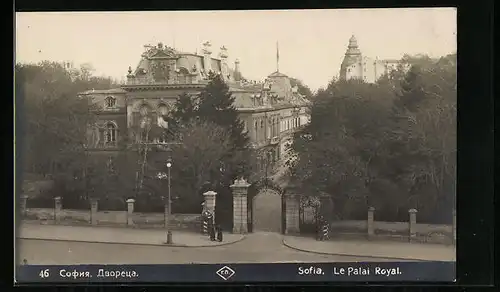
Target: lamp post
169,198
268,162
162,175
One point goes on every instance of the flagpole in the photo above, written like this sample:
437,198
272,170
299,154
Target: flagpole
277,57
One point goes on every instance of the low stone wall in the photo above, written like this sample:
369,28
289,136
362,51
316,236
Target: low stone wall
189,222
431,233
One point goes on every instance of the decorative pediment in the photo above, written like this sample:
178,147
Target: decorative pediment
161,52
166,53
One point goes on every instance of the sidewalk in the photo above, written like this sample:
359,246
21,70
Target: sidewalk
119,235
381,249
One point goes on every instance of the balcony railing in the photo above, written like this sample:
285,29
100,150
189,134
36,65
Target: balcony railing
151,81
112,145
274,140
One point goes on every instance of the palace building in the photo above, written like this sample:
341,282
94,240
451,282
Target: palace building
357,66
271,110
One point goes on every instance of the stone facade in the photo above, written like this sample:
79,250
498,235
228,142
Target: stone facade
357,66
271,110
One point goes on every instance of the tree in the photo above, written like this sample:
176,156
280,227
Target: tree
198,160
390,145
216,104
334,152
302,88
425,134
184,112
55,121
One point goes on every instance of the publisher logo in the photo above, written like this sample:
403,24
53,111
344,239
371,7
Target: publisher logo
225,272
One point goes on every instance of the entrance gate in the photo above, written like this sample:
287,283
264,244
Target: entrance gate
266,208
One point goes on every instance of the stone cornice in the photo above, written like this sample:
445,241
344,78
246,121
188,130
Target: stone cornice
159,87
269,108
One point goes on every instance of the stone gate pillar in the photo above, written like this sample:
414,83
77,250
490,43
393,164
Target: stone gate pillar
57,208
210,201
24,198
292,207
240,211
94,205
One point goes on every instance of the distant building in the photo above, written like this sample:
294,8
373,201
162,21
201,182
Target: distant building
270,110
357,66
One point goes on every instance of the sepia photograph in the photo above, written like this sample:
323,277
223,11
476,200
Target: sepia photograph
219,137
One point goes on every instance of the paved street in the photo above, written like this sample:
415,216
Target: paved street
120,235
393,249
256,248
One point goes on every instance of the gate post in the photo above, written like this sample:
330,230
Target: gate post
240,211
292,209
210,202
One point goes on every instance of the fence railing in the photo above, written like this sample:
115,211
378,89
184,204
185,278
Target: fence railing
122,218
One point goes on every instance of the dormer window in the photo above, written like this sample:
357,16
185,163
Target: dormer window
110,102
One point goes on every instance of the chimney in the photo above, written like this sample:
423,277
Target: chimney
237,74
207,56
223,62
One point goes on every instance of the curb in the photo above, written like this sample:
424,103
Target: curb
133,243
356,255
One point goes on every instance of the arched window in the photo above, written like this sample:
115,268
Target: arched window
163,113
110,133
184,77
144,110
163,110
110,102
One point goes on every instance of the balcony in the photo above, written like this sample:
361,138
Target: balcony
101,145
173,81
274,140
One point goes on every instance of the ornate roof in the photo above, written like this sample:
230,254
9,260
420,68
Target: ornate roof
277,74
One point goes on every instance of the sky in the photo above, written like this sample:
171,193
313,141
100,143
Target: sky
312,43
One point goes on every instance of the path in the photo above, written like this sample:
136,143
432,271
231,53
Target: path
387,249
256,248
118,235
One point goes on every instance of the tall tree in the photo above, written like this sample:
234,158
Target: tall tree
216,104
390,145
197,161
55,120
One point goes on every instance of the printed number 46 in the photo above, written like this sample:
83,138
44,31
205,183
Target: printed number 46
44,273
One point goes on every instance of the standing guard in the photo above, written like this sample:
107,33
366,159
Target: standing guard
322,229
219,233
211,228
206,217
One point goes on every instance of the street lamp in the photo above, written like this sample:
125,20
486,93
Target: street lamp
161,176
169,166
268,162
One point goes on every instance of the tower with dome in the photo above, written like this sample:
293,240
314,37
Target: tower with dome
357,66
